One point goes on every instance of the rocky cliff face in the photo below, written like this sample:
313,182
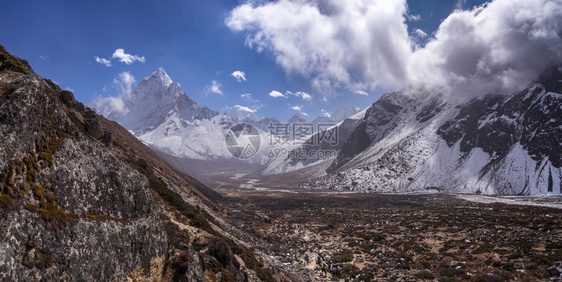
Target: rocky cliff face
70,209
531,117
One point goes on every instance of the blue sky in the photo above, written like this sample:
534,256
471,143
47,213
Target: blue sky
193,43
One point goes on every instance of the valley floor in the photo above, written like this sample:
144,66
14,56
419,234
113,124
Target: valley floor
404,237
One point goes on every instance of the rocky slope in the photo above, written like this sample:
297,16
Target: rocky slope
493,144
70,209
82,199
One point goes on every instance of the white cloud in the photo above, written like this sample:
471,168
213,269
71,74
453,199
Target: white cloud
244,109
126,58
124,82
239,75
364,44
297,108
460,4
325,113
334,43
414,18
122,57
305,96
361,92
499,47
44,58
276,94
420,33
103,61
256,104
107,106
215,88
115,106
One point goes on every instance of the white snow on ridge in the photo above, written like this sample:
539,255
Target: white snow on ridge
412,157
512,200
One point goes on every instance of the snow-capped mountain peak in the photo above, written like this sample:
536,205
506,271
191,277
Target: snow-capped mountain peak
341,113
297,119
253,117
152,101
235,115
153,86
160,76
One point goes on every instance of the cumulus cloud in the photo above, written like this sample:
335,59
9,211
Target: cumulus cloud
359,92
103,61
244,109
122,57
364,44
239,75
297,108
215,88
333,43
276,94
127,58
303,95
497,47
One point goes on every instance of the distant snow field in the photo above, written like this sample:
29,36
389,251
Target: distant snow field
553,201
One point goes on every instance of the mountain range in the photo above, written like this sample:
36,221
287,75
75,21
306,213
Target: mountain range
161,115
407,141
508,144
